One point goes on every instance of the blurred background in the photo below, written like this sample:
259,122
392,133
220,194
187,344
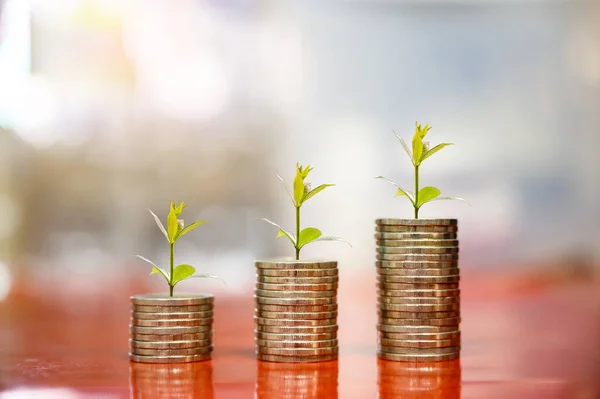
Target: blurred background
110,107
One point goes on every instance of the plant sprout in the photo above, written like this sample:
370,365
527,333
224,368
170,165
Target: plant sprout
420,151
174,231
302,193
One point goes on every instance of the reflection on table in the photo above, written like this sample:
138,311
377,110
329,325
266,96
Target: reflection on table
297,380
435,380
185,380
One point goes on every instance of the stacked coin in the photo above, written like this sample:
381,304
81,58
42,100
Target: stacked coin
167,329
296,311
418,289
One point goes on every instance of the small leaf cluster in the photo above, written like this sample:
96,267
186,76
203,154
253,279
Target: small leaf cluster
421,150
302,192
175,230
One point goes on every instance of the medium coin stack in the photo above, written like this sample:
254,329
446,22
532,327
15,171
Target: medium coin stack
296,311
167,329
418,289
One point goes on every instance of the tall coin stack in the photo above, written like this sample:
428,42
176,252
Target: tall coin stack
296,311
418,289
168,329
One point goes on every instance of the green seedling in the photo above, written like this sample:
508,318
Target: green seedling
174,231
420,151
302,193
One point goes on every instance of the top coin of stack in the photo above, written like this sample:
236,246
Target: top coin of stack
296,311
167,329
418,289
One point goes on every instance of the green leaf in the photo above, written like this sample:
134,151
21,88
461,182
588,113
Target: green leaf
331,238
207,275
190,228
434,150
286,187
281,231
400,191
172,224
155,269
417,144
298,188
308,235
304,172
405,146
316,191
423,130
427,194
159,224
182,272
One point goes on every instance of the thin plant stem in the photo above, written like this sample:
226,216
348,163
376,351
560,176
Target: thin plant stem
297,232
171,286
416,204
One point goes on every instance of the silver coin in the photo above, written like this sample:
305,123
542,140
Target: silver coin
417,257
410,265
418,351
416,280
416,229
296,315
420,344
426,293
163,299
418,358
171,352
169,359
298,308
414,286
454,321
297,344
296,301
412,307
417,243
295,264
171,323
293,323
410,235
172,309
410,329
395,314
294,294
295,337
417,222
172,315
297,287
169,330
296,359
172,337
417,250
169,344
297,280
297,273
296,330
296,351
417,272
420,336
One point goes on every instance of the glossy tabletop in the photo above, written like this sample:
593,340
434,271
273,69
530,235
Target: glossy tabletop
523,337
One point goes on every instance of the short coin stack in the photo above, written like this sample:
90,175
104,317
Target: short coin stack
296,311
168,329
418,289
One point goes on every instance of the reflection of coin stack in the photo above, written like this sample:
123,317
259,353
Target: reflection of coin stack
168,329
418,289
187,380
439,380
306,380
296,311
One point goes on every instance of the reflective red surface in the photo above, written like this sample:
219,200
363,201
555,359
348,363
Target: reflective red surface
523,337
